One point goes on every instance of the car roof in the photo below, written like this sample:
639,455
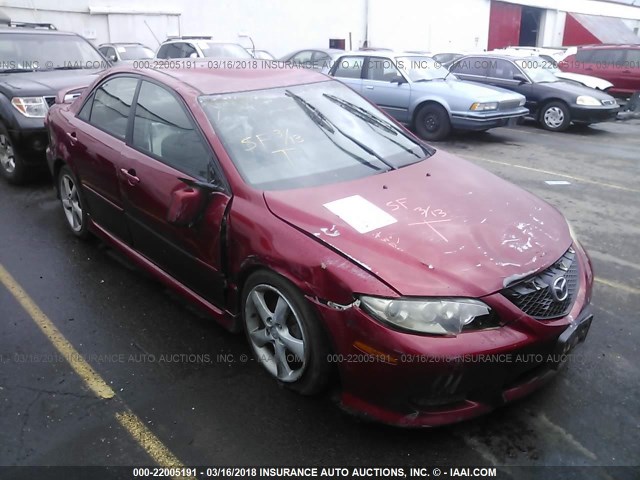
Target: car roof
122,44
383,53
210,81
608,46
36,31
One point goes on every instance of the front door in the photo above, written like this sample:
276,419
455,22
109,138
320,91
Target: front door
384,85
165,146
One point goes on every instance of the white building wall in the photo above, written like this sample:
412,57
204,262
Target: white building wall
435,26
281,26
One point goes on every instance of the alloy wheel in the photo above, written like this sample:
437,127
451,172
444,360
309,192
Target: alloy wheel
71,202
276,333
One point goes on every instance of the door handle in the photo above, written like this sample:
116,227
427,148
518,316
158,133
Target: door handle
130,175
368,87
626,71
72,137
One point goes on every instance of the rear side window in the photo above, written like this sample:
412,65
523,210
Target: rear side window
111,105
163,129
472,66
349,67
606,57
633,59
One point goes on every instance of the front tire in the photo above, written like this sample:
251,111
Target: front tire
73,204
284,333
432,122
12,166
555,117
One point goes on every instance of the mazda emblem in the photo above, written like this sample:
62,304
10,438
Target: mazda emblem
560,289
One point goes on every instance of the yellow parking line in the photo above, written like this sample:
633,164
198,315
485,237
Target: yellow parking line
618,286
77,362
549,172
147,440
129,421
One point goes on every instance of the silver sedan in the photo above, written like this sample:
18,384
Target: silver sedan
419,92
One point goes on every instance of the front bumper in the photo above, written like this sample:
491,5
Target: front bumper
412,380
31,143
593,114
486,120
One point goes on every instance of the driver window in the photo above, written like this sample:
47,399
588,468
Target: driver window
381,69
163,129
502,69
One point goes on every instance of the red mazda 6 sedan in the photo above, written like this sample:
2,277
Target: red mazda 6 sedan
291,208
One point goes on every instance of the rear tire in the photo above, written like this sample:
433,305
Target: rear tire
285,334
73,204
12,166
432,122
555,117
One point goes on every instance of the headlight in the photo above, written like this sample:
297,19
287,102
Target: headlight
440,316
34,107
479,107
587,100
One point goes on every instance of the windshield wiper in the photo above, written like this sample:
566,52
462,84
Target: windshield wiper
320,119
371,120
362,113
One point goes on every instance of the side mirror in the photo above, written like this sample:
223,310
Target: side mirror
113,58
520,78
188,203
193,55
399,79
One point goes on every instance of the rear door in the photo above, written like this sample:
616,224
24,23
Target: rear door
381,87
165,145
96,140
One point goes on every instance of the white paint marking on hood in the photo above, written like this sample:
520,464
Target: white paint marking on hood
360,213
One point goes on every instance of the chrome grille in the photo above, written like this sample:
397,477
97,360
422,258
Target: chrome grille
509,104
50,100
533,295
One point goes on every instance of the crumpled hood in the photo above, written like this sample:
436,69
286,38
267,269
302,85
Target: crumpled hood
443,226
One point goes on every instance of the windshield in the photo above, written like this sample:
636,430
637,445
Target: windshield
422,68
32,51
229,50
135,52
308,135
537,69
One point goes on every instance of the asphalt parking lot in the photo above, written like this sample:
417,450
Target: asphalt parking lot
187,384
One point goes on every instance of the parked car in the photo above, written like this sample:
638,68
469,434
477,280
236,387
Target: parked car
619,64
316,59
550,63
417,91
200,47
36,62
287,206
553,102
118,52
261,54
